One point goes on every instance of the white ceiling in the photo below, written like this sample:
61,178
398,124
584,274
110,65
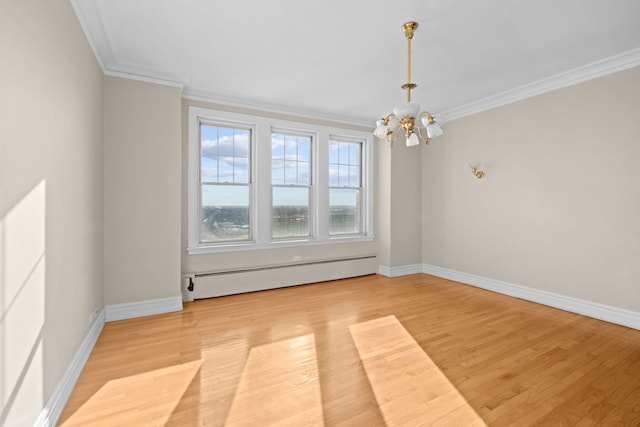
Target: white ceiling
347,59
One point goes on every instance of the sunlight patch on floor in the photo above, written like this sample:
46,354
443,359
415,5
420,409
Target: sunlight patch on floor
146,399
279,386
409,387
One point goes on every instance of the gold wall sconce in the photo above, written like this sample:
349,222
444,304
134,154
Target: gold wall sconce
478,173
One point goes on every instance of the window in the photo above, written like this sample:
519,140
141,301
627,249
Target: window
258,182
291,185
345,187
225,183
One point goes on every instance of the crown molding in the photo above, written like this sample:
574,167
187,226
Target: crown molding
103,51
587,72
146,79
202,96
95,45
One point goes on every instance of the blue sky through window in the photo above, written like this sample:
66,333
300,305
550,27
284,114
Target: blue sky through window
224,154
290,159
344,164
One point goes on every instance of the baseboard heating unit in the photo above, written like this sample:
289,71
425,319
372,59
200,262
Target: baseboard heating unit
236,281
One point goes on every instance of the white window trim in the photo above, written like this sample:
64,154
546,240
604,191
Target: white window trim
313,188
260,222
250,184
364,196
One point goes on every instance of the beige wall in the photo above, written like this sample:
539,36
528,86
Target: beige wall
559,207
141,191
51,274
220,261
406,187
383,196
398,213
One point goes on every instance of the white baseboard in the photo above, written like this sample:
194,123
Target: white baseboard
142,308
403,270
607,313
53,409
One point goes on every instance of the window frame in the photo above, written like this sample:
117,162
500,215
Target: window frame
360,188
260,215
196,183
311,186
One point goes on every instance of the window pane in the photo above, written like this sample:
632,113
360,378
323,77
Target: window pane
290,173
333,151
209,153
296,152
277,146
344,176
344,153
344,211
225,213
225,169
345,164
208,132
225,142
334,175
209,169
291,147
354,154
224,154
304,177
277,171
290,212
354,176
241,170
304,148
241,143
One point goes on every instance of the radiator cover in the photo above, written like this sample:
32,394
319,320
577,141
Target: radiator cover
220,283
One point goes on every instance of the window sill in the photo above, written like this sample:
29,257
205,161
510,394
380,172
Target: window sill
252,246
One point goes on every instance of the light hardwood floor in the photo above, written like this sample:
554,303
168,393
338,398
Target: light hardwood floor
369,351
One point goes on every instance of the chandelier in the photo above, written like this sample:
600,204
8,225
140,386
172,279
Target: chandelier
407,116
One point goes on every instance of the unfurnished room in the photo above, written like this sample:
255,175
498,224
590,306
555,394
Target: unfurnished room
295,213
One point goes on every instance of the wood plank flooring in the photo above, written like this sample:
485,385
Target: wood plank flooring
369,351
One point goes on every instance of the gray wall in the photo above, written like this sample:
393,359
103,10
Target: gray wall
559,207
51,218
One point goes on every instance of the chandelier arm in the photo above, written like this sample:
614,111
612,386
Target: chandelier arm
389,116
424,139
393,136
427,115
389,133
